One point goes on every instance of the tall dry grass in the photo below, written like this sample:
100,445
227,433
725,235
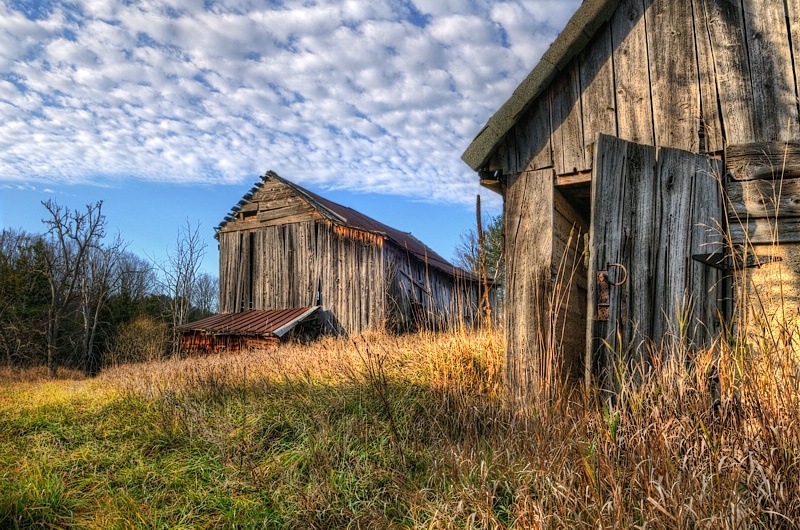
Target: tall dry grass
412,431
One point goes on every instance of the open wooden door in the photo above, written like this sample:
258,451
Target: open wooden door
652,211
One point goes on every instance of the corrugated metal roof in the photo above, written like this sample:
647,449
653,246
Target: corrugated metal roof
276,322
589,17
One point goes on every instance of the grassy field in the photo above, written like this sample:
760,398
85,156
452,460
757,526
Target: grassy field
398,432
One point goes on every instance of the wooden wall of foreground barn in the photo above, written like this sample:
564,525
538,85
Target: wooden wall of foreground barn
305,264
697,75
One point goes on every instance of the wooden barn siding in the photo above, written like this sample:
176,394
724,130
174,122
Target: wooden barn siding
292,262
445,301
528,226
695,75
764,216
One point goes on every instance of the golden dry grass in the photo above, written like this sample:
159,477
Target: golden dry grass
411,431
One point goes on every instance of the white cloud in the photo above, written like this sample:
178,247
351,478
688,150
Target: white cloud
372,96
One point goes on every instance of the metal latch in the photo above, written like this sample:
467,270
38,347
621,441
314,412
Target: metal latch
604,291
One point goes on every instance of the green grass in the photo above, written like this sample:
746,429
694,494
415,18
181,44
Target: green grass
391,432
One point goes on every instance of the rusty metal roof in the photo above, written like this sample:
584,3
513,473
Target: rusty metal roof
275,322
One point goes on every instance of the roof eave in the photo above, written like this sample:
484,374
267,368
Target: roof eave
589,17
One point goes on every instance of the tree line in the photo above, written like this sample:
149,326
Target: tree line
74,296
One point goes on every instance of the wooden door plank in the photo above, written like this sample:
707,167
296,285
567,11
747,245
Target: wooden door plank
566,120
771,70
673,73
725,25
621,231
689,208
708,235
711,126
634,105
764,198
597,99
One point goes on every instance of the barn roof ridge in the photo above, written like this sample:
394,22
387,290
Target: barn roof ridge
589,17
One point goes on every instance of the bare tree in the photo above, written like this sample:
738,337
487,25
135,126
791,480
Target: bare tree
70,237
206,294
179,275
137,279
99,279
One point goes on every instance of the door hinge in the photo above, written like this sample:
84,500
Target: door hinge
730,262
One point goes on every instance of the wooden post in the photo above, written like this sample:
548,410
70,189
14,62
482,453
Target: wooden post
487,306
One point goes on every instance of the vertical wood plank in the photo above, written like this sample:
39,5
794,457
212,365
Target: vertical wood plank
634,105
711,125
597,99
566,120
771,70
529,244
687,293
533,131
793,13
673,73
725,25
708,224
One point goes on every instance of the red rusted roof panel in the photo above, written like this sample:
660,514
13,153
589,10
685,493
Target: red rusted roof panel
255,322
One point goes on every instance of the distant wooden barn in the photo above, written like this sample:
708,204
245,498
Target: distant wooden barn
666,130
285,247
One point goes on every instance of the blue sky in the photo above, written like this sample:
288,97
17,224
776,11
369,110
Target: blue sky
170,110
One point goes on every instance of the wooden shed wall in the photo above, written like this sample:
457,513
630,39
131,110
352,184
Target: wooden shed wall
764,217
691,74
698,75
292,265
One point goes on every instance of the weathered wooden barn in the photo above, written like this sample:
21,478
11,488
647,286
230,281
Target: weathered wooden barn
650,155
285,247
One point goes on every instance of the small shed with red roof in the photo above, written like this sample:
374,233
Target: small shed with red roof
257,329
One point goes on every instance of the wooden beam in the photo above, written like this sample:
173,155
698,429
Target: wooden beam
763,160
765,231
581,177
764,198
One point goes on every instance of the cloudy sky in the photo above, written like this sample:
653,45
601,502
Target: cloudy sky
170,110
